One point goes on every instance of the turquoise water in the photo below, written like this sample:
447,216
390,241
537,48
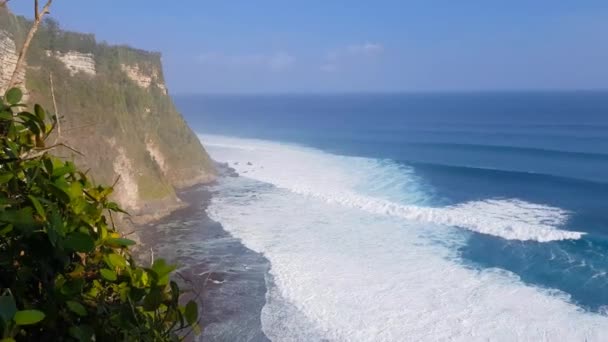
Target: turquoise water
549,149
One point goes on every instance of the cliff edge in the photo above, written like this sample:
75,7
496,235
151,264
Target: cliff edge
115,109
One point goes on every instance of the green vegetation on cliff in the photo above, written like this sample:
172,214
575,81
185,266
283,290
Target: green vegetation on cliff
115,108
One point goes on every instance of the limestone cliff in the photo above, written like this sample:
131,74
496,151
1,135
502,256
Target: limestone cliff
114,108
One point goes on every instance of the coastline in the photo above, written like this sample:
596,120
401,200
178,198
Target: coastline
229,279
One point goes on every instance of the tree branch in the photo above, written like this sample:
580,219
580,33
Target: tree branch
55,108
38,15
37,152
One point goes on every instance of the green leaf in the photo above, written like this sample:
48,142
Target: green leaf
119,242
6,177
174,292
161,267
32,126
153,300
13,96
7,229
140,278
48,165
82,333
114,207
8,308
162,270
37,206
58,191
108,274
116,261
72,287
76,308
63,170
75,190
40,113
22,219
197,329
27,116
191,312
79,242
6,115
28,317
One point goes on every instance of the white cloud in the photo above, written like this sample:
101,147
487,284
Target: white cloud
367,49
277,61
334,59
281,61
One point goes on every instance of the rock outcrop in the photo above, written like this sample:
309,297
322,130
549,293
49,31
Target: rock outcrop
8,59
142,79
76,62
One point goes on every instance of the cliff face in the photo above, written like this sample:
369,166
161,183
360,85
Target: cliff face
115,110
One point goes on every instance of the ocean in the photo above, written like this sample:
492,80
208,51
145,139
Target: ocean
390,217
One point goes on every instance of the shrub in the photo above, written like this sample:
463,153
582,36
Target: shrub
65,271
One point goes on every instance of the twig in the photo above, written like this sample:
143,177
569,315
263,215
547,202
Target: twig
129,233
43,150
55,108
116,181
81,127
112,219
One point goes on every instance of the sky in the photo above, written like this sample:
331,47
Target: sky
356,46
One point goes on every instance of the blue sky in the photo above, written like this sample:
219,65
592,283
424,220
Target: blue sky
356,46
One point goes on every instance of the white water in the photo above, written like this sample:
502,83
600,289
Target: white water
389,189
350,264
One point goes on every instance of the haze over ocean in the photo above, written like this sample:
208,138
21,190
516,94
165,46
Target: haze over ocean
487,210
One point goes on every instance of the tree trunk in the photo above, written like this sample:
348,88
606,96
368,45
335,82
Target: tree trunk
28,40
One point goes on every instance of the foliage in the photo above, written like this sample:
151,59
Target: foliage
65,272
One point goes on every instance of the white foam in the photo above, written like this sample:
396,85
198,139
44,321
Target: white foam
343,274
382,187
357,255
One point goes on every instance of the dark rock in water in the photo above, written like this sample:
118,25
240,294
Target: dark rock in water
229,277
249,163
224,170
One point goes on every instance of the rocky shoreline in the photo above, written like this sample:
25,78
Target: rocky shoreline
228,278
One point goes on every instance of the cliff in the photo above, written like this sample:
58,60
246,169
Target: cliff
115,109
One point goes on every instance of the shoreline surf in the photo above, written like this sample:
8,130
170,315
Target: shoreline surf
341,266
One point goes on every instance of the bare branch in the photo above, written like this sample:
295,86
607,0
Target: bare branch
55,108
38,15
116,181
37,152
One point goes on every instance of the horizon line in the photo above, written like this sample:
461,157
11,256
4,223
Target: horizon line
393,92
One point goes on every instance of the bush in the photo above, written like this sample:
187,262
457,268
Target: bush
65,271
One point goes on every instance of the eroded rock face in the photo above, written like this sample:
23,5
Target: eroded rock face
76,62
128,190
157,156
142,79
8,60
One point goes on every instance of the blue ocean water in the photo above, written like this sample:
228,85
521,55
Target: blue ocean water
543,148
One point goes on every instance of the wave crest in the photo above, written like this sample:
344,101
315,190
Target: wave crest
353,182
